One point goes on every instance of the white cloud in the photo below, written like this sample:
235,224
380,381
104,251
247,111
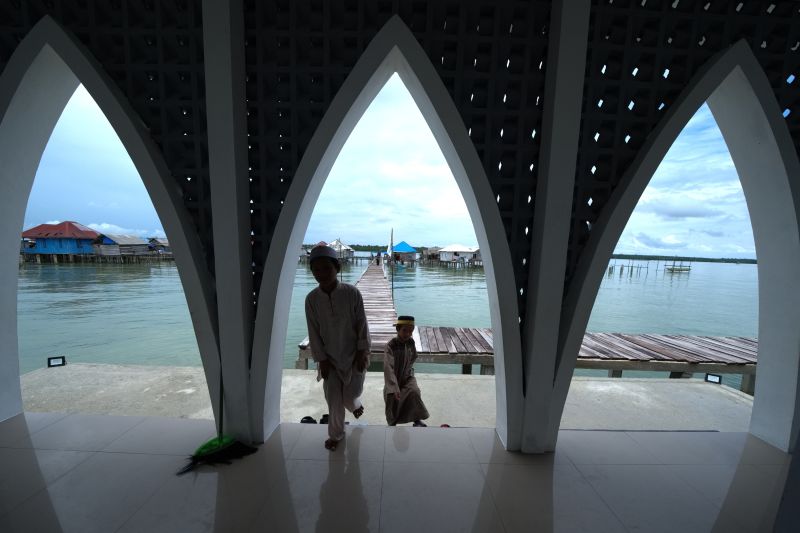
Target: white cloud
105,227
694,201
391,174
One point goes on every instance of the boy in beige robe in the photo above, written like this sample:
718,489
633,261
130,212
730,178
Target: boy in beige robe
339,339
400,392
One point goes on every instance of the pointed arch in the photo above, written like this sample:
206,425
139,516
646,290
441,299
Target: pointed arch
770,177
35,86
394,49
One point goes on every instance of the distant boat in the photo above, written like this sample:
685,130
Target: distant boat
680,268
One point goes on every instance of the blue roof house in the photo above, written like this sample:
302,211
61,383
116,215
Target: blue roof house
403,252
65,238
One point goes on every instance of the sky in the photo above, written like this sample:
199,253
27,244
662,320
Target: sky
391,174
694,204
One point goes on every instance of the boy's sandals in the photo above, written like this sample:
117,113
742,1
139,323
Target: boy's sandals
358,412
331,444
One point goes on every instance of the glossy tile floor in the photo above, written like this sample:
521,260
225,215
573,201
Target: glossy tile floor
89,473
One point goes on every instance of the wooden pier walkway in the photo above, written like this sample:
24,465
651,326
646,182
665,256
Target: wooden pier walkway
464,346
680,355
378,304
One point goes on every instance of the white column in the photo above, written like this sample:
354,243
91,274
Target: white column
33,92
766,161
563,97
223,37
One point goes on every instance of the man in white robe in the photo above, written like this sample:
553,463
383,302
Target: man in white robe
339,339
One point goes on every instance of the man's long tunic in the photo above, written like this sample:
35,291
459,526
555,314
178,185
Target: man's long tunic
337,328
398,374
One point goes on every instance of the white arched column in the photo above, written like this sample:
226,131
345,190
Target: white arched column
555,186
35,86
393,49
744,105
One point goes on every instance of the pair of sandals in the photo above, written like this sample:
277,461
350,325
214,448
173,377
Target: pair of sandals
331,444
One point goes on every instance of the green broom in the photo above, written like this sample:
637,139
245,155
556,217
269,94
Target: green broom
222,449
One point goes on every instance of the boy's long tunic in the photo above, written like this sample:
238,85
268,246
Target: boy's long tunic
337,328
398,374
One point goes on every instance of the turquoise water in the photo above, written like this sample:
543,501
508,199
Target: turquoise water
137,314
126,314
435,296
711,299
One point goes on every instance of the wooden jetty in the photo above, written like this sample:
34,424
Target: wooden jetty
464,346
378,305
680,355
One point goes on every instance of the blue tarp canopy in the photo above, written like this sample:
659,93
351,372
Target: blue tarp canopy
403,247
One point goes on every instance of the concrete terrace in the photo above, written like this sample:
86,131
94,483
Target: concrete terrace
455,399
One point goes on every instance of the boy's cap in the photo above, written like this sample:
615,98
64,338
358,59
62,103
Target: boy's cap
404,320
323,251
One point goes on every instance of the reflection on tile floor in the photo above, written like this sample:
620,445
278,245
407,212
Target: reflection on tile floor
103,473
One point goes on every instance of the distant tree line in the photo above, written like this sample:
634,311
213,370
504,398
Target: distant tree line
368,247
684,259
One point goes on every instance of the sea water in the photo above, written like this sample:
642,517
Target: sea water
137,314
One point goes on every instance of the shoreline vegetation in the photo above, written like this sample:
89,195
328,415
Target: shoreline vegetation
634,257
681,258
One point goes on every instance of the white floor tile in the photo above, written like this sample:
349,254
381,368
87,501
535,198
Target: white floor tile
365,443
283,440
187,503
651,498
436,445
603,447
489,449
692,447
26,471
16,431
167,436
437,497
99,495
747,495
553,498
327,496
83,432
380,479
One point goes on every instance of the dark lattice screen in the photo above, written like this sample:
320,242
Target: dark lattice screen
490,56
154,52
641,56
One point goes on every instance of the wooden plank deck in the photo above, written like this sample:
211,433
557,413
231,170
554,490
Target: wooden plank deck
378,305
607,351
444,345
734,352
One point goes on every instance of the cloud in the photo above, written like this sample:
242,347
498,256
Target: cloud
105,227
391,174
670,242
709,232
680,210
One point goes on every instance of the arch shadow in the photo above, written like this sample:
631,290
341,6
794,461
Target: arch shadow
393,49
765,158
35,86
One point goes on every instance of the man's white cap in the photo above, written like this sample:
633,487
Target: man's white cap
323,251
